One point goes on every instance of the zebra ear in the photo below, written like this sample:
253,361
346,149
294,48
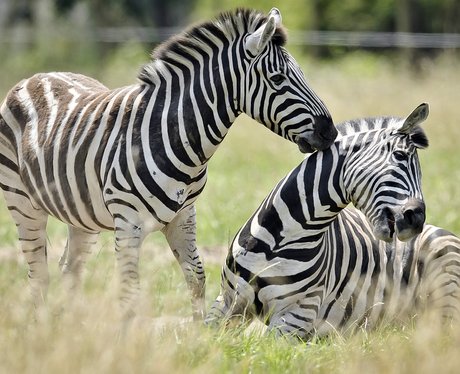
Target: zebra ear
418,115
257,41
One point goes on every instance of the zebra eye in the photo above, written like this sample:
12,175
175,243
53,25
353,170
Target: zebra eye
277,78
399,155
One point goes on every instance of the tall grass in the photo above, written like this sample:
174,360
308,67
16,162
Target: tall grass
247,165
86,336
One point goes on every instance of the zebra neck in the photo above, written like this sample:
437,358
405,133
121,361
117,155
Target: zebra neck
198,109
320,186
303,205
193,124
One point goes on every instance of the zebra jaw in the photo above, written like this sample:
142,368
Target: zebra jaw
384,227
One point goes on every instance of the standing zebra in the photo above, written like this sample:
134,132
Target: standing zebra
134,159
303,263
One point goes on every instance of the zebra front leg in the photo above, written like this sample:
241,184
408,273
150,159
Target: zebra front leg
181,236
439,270
295,322
128,240
234,302
79,246
229,308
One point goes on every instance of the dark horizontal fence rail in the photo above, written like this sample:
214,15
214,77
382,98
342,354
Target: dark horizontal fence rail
296,37
375,39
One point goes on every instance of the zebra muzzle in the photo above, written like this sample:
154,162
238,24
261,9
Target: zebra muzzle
321,138
304,144
410,220
405,222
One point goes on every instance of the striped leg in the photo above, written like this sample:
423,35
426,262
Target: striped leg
31,226
235,300
30,220
79,246
181,236
128,240
440,285
297,322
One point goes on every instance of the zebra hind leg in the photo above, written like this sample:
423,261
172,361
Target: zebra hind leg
31,227
181,236
79,245
30,220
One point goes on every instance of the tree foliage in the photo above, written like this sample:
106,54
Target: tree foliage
83,17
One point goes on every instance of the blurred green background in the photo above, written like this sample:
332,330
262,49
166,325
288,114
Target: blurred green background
355,74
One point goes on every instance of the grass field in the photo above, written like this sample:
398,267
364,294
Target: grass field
244,169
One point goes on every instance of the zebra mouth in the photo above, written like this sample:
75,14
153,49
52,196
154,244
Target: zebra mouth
410,220
316,141
385,227
304,145
391,226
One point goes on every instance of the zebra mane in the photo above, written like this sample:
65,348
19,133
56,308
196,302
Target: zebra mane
367,124
417,135
226,26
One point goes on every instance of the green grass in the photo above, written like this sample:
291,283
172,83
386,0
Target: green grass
87,338
245,168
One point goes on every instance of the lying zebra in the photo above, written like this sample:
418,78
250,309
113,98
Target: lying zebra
306,265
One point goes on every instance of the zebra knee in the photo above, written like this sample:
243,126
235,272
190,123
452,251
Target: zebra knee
217,313
281,327
230,305
38,283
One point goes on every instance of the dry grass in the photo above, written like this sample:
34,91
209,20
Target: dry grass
85,336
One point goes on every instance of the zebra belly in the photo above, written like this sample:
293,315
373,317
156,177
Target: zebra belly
92,208
78,205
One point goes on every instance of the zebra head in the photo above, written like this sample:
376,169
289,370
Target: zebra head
385,178
277,94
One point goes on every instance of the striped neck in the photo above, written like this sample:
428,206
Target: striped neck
204,87
302,206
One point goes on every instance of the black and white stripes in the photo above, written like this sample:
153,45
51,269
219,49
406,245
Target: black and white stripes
304,264
134,159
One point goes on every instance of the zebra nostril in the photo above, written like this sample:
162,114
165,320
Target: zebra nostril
414,217
409,217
